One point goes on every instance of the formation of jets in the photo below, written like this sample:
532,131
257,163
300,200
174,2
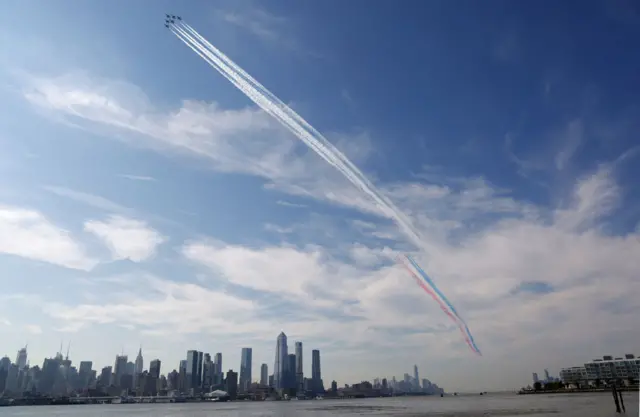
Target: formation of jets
170,19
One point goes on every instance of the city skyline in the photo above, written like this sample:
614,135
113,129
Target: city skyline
195,375
146,201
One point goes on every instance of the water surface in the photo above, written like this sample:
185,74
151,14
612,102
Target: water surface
502,405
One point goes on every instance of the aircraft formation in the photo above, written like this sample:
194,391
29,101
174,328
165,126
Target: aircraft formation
170,19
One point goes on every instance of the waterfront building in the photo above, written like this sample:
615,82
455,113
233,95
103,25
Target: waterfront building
619,368
622,369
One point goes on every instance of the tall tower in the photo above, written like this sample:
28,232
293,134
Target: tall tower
217,366
245,369
139,364
199,370
315,365
299,373
416,379
316,376
280,365
192,370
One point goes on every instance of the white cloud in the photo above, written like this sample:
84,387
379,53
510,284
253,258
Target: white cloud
27,233
167,306
270,227
137,177
126,238
5,322
88,199
289,204
242,140
572,139
279,270
256,21
33,328
595,196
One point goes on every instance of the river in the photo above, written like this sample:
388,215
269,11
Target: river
502,405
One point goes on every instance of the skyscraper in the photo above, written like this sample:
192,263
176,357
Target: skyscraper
291,371
232,384
207,373
105,376
264,375
21,358
315,365
154,368
280,365
119,369
199,370
245,369
84,374
416,379
316,376
218,368
139,365
192,373
299,371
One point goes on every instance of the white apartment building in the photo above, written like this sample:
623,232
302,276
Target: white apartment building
576,374
605,369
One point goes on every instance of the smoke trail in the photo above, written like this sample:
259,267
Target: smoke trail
303,130
443,298
442,306
430,282
312,138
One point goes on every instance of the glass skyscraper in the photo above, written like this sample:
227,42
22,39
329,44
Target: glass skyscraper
245,369
280,365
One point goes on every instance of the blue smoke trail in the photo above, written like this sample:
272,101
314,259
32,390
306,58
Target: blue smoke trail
444,299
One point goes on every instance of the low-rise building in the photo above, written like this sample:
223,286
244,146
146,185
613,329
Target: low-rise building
604,370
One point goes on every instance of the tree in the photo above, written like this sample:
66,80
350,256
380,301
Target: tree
598,383
537,386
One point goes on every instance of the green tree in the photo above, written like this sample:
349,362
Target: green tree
537,386
598,383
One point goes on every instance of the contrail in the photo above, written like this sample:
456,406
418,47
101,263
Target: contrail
271,104
299,127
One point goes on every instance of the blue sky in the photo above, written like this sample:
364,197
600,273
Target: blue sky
145,201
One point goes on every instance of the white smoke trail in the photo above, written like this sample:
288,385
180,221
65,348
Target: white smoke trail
295,123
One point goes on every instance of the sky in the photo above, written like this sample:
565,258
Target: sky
145,201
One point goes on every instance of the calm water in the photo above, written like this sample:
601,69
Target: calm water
576,405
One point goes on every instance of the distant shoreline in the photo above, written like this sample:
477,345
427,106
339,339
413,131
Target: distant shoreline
577,391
